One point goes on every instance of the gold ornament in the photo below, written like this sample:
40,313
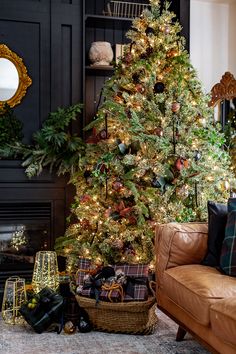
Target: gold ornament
182,192
165,29
172,53
69,327
118,244
175,107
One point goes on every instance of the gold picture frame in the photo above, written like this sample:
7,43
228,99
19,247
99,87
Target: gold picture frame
24,80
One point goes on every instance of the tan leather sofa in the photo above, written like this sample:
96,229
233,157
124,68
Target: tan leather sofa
200,299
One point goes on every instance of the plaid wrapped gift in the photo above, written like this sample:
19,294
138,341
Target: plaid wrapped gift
88,292
137,281
112,292
140,293
84,266
133,270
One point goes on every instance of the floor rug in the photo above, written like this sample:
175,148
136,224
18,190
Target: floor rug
23,340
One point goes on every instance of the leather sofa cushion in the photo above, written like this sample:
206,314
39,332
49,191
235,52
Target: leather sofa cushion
195,288
223,319
178,244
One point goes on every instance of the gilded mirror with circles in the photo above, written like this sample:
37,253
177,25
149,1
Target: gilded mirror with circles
14,80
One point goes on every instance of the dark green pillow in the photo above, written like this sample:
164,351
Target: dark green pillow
228,251
217,219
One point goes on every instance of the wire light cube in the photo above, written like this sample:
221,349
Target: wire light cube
45,272
13,298
125,9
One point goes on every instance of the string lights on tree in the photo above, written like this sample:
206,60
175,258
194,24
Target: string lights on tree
151,149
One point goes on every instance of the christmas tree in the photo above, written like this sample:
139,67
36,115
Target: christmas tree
154,155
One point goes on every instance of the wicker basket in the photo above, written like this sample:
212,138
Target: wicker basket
137,317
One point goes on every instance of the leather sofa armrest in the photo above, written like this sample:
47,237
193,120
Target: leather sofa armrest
178,244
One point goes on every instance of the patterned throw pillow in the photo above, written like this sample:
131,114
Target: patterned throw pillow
228,251
217,219
231,204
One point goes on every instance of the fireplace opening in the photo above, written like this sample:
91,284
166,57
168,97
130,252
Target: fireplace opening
25,229
20,242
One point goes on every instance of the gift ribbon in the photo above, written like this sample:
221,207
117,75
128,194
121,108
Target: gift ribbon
110,288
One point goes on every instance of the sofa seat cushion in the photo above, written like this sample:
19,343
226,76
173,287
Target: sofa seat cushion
223,319
195,288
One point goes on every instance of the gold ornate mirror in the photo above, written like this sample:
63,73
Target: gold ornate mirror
14,79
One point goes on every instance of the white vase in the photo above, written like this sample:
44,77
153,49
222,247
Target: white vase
100,53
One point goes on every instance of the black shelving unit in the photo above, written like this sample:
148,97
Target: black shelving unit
99,27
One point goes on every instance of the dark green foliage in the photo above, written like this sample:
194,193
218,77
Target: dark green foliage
10,127
54,145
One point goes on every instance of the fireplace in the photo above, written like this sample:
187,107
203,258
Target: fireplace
25,228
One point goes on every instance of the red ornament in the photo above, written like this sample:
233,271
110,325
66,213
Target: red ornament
120,206
181,163
125,212
108,212
85,224
139,88
117,185
132,220
158,131
128,58
175,107
92,139
103,134
85,198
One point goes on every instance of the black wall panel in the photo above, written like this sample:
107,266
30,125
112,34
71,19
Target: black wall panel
47,35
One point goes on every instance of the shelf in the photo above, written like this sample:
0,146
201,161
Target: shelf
102,21
103,70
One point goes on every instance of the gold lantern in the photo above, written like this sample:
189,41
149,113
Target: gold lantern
45,272
13,298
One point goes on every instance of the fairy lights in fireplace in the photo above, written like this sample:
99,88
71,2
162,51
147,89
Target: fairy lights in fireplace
19,238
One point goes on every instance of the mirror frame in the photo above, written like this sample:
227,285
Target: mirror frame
24,80
224,90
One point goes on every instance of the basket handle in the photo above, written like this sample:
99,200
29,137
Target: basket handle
152,287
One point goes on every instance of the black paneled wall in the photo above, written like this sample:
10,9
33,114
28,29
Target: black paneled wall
47,35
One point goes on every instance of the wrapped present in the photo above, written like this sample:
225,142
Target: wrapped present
84,267
136,288
127,282
112,292
44,309
133,270
88,292
138,292
93,284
